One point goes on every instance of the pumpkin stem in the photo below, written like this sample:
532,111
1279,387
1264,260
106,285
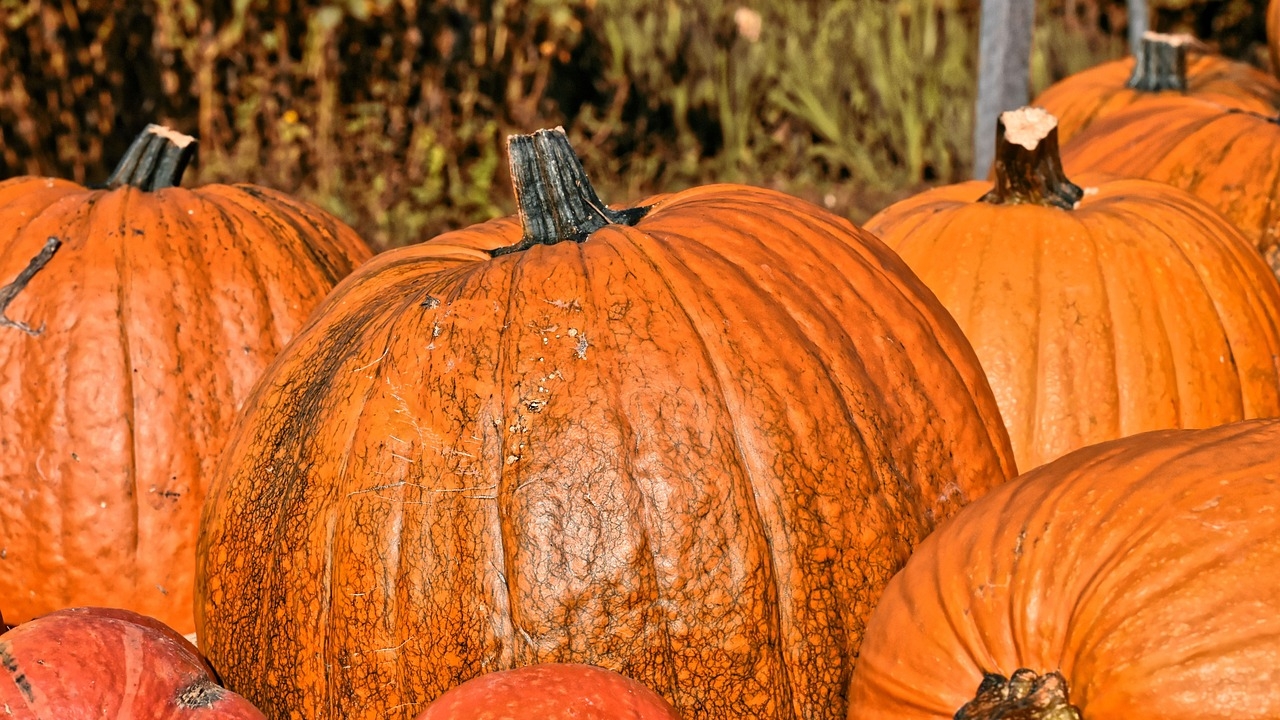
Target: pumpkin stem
10,291
1023,696
1028,166
554,195
1160,63
156,159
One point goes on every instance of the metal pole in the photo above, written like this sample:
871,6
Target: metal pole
1139,23
1004,58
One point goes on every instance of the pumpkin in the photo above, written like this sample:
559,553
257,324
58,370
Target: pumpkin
1096,314
1160,67
1134,578
93,662
138,317
687,441
1228,158
550,691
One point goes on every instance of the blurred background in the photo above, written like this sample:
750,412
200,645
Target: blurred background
393,114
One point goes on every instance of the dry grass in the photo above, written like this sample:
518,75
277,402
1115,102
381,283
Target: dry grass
393,113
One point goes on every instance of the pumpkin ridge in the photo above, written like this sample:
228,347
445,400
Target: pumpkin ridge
128,372
228,231
288,213
661,269
1090,591
1098,234
507,485
1177,360
327,357
643,510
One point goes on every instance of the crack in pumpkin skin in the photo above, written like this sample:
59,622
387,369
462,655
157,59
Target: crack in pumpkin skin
161,310
712,526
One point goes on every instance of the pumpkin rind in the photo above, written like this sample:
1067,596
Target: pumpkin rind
159,311
1228,158
690,451
1142,569
550,691
93,662
1139,309
1166,65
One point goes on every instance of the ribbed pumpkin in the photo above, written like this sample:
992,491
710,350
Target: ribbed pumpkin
1161,67
688,441
131,342
1096,314
550,691
89,662
1143,571
1228,158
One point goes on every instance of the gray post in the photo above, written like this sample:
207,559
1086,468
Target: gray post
1139,23
1004,59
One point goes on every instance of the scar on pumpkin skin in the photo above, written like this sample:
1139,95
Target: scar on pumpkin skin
10,291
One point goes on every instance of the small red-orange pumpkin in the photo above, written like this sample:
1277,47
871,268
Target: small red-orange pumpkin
550,691
94,662
127,346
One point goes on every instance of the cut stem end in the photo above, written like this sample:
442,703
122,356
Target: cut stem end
1028,166
157,159
554,195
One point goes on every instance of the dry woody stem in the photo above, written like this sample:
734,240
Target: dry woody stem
555,198
10,291
1160,63
155,160
1028,166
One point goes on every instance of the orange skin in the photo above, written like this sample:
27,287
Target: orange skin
1227,158
1089,95
691,451
1143,569
159,311
1140,309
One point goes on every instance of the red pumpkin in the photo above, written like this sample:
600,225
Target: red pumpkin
550,691
128,346
689,445
1142,572
1164,65
89,663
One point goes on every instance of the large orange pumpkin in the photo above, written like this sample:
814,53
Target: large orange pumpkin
1142,572
1162,66
132,341
1096,314
1228,158
687,441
